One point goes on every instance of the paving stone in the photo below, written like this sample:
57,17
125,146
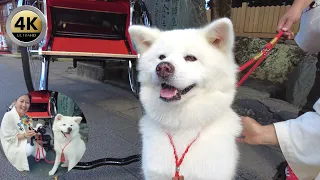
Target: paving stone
118,104
135,113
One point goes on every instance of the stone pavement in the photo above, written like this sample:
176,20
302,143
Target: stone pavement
112,115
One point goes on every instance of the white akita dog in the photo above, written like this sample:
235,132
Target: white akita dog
188,83
67,141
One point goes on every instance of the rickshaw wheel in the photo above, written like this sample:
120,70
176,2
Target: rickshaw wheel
133,78
35,70
140,16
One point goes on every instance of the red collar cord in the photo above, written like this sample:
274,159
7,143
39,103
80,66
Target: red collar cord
179,161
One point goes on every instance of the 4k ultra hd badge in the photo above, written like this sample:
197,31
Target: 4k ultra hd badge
26,26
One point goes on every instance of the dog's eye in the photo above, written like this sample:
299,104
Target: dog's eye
161,57
71,125
64,124
190,58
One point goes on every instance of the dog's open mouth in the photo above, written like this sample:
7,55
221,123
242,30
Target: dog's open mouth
66,134
170,93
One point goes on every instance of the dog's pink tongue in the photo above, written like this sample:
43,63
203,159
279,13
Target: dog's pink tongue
67,135
168,93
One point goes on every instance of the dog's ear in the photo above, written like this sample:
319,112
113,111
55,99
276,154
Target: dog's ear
143,37
58,117
220,33
77,119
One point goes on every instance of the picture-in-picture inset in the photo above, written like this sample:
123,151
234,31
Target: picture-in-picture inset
44,133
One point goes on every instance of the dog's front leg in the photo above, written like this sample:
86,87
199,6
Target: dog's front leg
65,164
149,175
72,163
56,164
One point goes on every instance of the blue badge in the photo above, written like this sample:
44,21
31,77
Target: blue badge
20,126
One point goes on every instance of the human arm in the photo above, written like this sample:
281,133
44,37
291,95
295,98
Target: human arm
298,139
21,136
292,16
10,132
299,143
302,4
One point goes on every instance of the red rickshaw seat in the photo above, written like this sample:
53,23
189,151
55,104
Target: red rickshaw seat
89,45
40,105
93,45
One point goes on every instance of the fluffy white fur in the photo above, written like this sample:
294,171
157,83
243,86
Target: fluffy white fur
74,151
205,109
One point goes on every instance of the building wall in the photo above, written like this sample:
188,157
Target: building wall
6,9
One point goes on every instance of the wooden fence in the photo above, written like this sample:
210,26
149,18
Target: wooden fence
257,21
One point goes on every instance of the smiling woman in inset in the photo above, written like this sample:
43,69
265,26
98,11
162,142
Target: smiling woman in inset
15,133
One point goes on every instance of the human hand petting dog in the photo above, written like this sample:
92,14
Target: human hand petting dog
255,134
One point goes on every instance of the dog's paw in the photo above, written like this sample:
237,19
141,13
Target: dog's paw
51,173
64,165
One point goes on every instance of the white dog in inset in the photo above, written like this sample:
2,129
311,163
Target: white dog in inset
67,141
188,83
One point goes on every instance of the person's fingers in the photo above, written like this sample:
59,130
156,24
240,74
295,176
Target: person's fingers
281,23
31,133
243,118
286,33
241,140
246,120
287,26
291,36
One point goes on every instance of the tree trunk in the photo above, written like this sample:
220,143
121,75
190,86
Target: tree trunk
222,8
214,13
177,14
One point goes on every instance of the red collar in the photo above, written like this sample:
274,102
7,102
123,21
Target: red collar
179,161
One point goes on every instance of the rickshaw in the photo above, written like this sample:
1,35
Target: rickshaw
43,107
85,30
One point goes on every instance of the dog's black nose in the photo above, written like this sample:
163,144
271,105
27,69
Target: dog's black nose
69,129
164,69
